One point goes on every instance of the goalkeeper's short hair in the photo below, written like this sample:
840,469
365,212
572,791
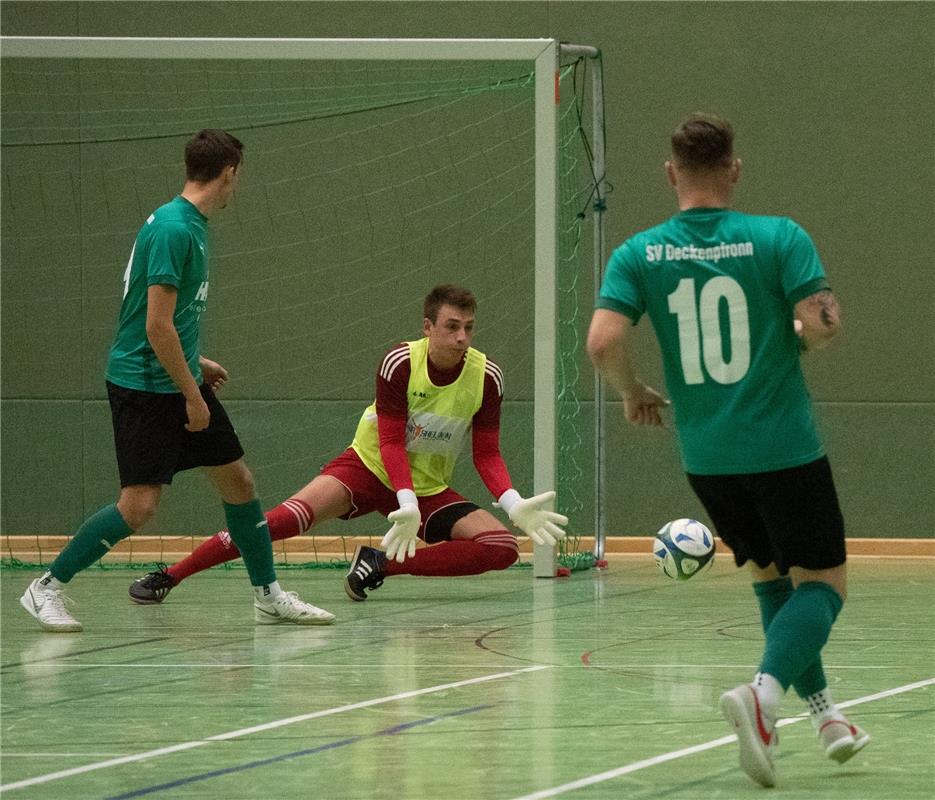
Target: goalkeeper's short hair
448,294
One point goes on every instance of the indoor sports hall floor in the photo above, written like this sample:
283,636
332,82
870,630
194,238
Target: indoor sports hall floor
603,685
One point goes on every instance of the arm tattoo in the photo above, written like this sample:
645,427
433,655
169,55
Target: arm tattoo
828,307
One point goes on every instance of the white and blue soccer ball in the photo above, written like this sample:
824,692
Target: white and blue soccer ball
683,549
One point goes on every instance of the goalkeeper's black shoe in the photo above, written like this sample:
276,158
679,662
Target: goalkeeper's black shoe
152,588
366,572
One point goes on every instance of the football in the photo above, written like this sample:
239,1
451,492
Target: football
683,549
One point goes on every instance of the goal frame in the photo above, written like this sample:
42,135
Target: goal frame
544,55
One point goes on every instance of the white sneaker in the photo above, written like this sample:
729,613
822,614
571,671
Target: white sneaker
756,734
841,739
286,607
47,605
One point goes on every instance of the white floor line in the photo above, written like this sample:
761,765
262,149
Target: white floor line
153,665
279,723
58,755
60,663
700,748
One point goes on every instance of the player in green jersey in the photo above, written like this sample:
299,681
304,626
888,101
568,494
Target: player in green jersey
166,416
734,298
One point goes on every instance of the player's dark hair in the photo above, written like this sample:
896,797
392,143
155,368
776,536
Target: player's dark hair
703,141
448,294
208,152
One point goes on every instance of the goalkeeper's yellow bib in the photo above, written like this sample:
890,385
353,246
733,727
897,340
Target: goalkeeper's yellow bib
438,421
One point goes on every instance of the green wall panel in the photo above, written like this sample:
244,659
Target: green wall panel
881,455
835,125
42,477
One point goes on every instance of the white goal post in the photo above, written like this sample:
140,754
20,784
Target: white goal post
543,54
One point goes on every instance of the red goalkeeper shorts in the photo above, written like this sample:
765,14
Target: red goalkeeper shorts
439,511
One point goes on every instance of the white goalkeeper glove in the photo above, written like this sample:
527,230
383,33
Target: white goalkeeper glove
532,517
400,540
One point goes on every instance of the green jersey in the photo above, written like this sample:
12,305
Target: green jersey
720,288
171,249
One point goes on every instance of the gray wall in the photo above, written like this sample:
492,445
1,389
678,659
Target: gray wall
833,107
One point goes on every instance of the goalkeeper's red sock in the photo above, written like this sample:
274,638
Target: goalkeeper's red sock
288,519
486,551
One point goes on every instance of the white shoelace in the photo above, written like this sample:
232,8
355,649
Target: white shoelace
57,601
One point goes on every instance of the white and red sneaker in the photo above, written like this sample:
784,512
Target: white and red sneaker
841,739
756,733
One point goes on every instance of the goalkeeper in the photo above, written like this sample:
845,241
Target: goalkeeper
430,394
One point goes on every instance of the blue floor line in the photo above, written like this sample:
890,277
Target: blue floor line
297,754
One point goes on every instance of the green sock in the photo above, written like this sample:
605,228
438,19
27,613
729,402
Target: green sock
772,596
247,527
799,631
94,538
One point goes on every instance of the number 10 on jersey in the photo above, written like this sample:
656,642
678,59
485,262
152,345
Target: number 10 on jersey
700,334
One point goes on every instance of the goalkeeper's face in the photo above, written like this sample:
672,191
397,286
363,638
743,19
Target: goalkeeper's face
449,335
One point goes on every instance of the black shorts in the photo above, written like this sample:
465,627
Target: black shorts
152,443
440,523
788,517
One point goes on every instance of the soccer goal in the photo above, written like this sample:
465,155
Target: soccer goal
374,169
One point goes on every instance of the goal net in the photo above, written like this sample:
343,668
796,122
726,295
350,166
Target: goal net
372,173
